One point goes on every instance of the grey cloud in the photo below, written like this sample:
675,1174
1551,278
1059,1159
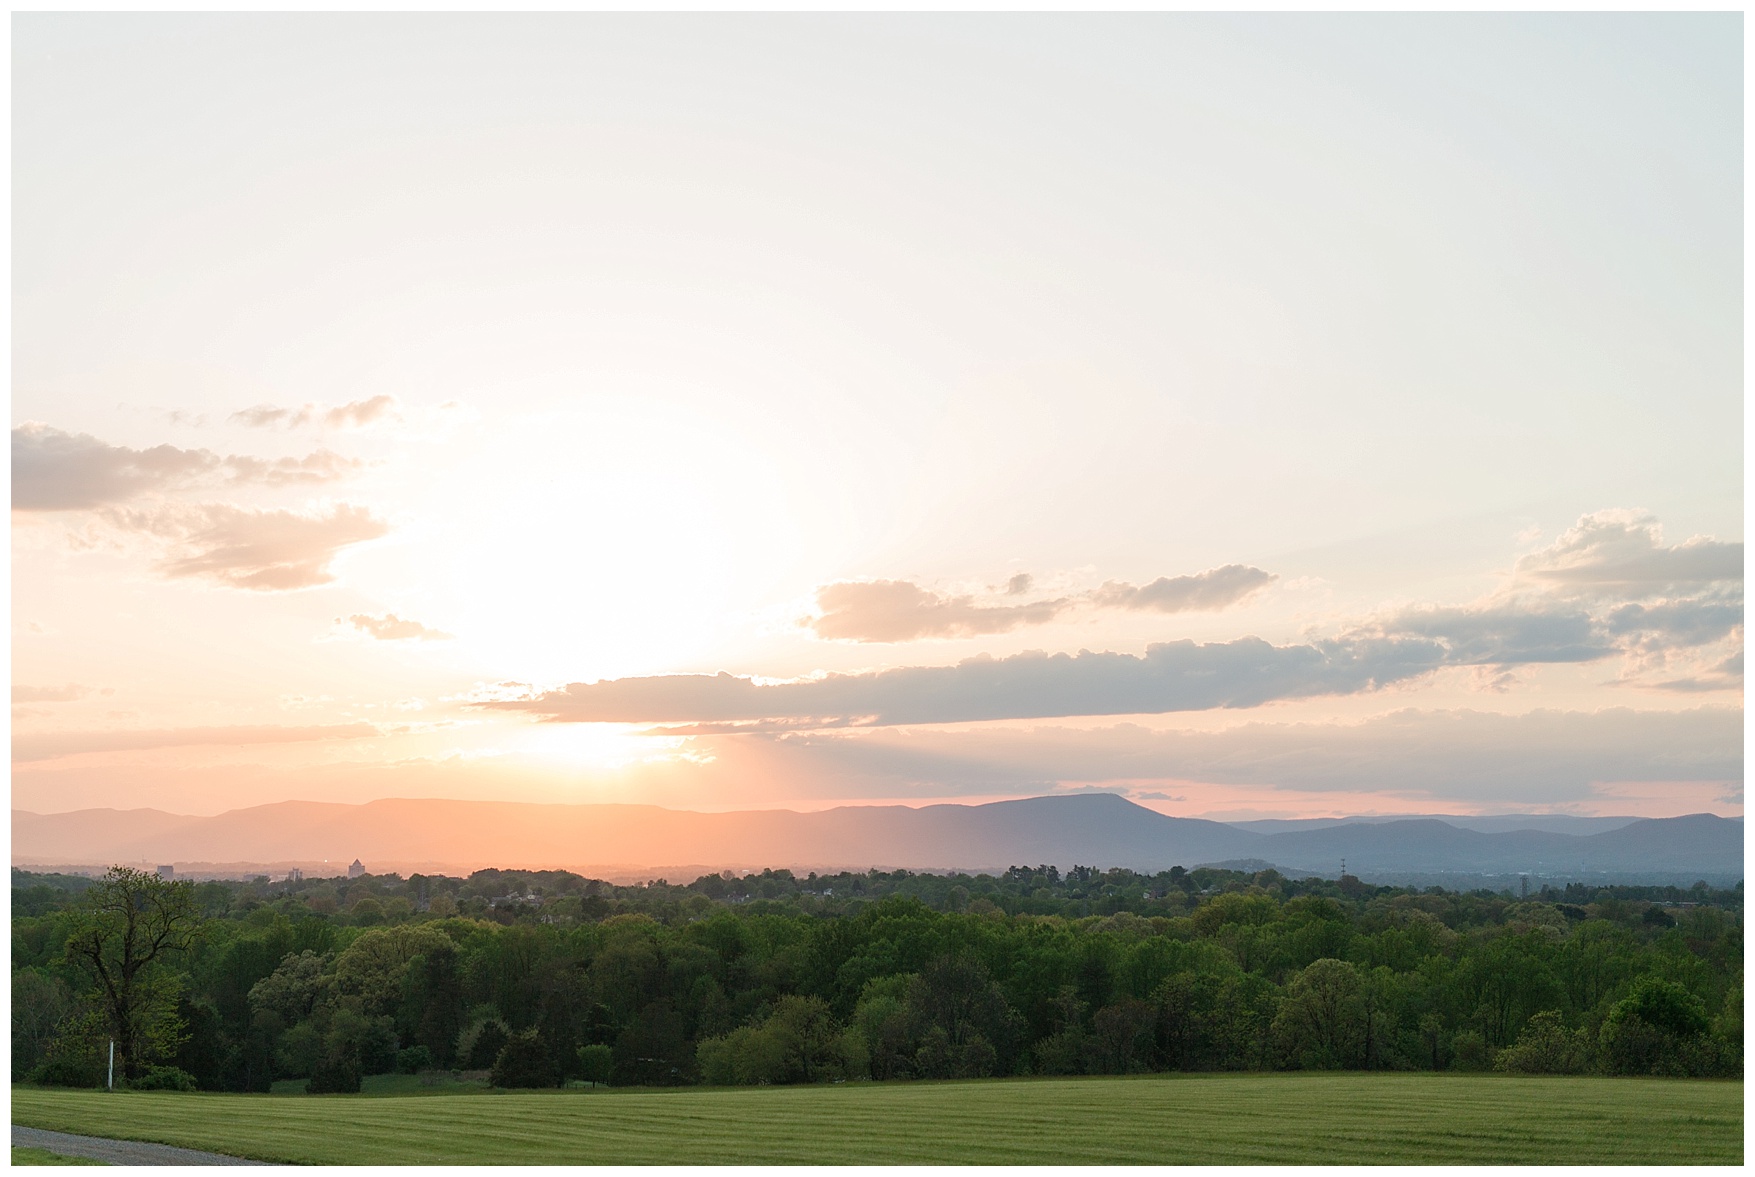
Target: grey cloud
53,470
1214,589
262,550
898,611
52,745
1623,551
1686,622
901,611
57,471
1541,757
1172,676
1506,634
391,628
353,415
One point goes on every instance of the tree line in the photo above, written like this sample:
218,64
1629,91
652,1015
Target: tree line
542,978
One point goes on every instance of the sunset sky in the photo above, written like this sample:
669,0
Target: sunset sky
1259,416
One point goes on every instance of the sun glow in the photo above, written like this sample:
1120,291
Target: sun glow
594,747
642,529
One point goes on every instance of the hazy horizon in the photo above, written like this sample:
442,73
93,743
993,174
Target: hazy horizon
1257,416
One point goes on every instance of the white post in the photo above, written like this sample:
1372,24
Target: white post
112,1064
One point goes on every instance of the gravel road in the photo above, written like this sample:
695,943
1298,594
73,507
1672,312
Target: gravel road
119,1152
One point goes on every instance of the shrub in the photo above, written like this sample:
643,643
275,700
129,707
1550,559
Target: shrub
412,1060
747,1056
1468,1051
1062,1053
595,1063
165,1079
480,1042
799,1042
73,1060
523,1062
334,1076
1546,1047
69,1069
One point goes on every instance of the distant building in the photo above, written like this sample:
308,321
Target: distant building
356,870
167,872
295,875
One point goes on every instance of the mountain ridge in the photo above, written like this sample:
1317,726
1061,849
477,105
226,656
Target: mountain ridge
1098,829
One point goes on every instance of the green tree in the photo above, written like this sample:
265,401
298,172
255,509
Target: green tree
524,1062
1655,1030
124,933
964,1023
41,1001
807,1037
595,1063
1321,1023
653,1051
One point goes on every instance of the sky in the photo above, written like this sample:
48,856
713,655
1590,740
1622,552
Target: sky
1258,416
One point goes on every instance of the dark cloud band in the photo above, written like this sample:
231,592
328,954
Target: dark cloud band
1173,676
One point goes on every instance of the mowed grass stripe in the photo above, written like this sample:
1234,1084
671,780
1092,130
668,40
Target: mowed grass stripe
1235,1119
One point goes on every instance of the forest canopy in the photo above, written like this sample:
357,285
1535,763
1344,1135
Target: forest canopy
536,979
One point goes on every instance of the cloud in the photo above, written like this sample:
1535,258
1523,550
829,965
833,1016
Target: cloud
71,692
1540,757
357,413
353,415
1172,676
1688,622
1608,587
1622,551
254,549
901,611
1214,589
898,611
1516,627
1505,634
53,470
391,628
321,466
50,746
1725,676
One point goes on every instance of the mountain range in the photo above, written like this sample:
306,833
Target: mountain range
1094,829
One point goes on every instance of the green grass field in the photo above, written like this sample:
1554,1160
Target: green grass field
42,1156
396,1085
1166,1119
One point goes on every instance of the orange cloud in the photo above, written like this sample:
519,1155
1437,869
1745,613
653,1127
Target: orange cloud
353,415
71,692
898,611
52,745
256,549
391,628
